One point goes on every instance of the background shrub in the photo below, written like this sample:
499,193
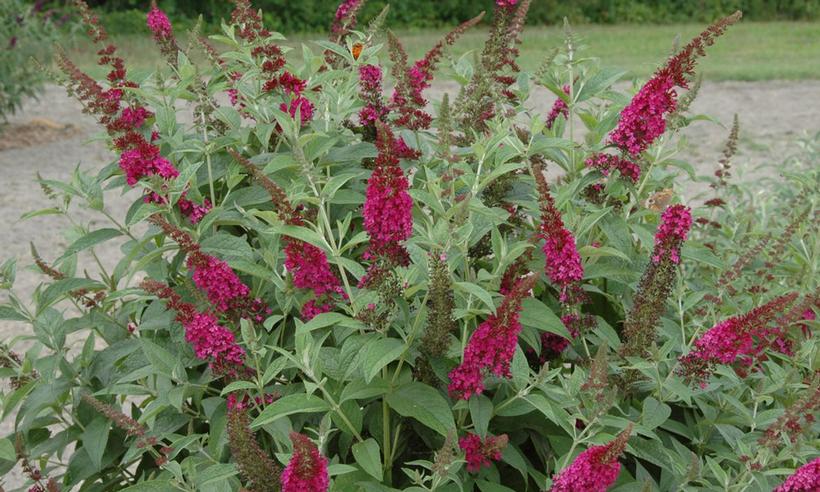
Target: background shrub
25,33
312,15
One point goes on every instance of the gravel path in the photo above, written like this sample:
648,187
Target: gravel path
772,114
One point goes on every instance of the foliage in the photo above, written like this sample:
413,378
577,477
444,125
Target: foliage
25,33
125,16
322,286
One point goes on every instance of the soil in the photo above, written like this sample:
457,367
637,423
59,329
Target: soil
51,136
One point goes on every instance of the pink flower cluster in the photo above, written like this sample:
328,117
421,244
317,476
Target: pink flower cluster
478,453
307,469
506,3
345,18
219,282
642,120
213,342
310,270
159,24
594,470
408,95
388,207
134,117
123,120
192,210
370,90
606,163
552,344
559,107
740,338
145,160
805,479
208,338
676,221
492,345
299,104
563,263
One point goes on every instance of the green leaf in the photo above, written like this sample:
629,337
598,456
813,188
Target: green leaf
90,240
481,411
11,314
597,83
7,452
359,390
378,354
423,403
214,473
479,292
536,314
162,360
654,413
152,486
368,457
486,486
701,254
297,403
60,288
95,437
301,233
227,246
321,321
237,385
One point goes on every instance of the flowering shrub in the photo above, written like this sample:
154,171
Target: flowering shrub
325,286
25,32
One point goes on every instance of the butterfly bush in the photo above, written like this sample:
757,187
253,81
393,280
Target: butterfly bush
332,276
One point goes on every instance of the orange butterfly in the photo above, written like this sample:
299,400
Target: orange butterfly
357,50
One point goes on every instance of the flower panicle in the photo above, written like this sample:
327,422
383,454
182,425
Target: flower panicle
481,452
408,96
31,471
740,338
119,419
388,207
643,119
595,469
736,270
559,108
723,172
676,221
370,90
307,469
162,32
563,262
440,322
492,346
656,282
606,163
260,472
798,416
183,239
209,340
804,479
249,21
345,19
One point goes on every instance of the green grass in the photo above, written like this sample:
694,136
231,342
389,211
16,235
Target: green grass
749,51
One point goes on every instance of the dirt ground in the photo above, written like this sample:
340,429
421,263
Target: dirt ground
772,115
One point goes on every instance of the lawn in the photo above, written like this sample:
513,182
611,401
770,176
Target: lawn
750,51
